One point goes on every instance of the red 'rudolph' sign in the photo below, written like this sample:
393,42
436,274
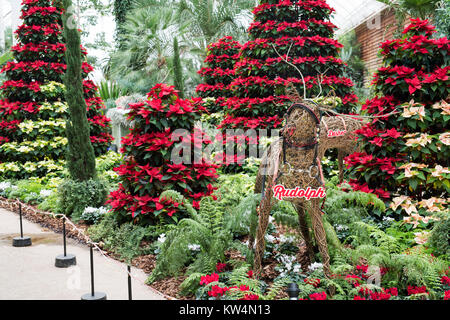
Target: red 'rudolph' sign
337,133
280,193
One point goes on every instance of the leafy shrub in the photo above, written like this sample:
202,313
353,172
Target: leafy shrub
75,196
125,240
50,203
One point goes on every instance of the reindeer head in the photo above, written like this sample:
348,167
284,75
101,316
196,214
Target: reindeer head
302,124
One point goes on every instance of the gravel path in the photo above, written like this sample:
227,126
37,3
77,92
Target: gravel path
30,274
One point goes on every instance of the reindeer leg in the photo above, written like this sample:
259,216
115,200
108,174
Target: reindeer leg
264,213
304,229
341,156
320,235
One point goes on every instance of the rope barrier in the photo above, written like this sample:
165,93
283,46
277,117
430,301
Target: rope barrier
80,234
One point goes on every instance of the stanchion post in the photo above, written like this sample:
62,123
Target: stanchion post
93,295
65,260
130,294
21,241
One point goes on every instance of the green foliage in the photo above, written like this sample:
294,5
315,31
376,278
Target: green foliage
242,219
233,189
120,10
75,196
50,204
374,235
442,19
414,8
124,240
204,230
440,237
109,90
108,161
285,214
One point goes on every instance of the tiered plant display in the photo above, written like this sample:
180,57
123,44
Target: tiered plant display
149,169
32,109
406,155
301,32
218,72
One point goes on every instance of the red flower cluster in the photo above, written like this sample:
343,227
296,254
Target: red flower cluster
49,29
252,297
318,296
281,26
416,290
207,279
42,11
305,4
220,267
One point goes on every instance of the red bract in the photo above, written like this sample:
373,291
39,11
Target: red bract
250,297
318,296
220,267
417,290
205,280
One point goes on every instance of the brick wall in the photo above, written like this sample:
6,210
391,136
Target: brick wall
370,35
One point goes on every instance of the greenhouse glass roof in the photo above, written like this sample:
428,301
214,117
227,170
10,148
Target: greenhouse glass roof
350,13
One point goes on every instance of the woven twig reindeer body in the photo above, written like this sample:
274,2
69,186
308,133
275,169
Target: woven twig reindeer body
294,161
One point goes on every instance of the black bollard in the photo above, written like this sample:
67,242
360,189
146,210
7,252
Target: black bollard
93,295
21,241
130,295
65,260
293,291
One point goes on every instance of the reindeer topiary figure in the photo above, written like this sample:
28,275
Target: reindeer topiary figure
294,161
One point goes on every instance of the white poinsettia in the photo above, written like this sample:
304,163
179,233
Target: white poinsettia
445,138
421,237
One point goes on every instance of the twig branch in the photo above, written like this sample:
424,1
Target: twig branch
293,65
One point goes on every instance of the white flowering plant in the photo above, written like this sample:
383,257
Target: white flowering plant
92,215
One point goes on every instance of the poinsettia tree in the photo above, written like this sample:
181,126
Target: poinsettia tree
218,72
32,110
405,151
150,167
301,33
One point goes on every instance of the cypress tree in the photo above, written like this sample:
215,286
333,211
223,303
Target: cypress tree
177,70
80,153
